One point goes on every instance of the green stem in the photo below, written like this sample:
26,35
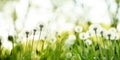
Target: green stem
32,42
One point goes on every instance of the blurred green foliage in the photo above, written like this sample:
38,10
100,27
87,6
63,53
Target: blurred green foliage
117,1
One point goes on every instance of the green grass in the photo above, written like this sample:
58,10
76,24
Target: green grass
100,49
58,51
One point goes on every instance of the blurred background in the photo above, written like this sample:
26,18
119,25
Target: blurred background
18,16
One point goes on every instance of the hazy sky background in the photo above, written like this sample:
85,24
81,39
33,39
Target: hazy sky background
42,11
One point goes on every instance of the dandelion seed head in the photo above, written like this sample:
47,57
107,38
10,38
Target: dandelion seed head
72,37
101,32
11,38
94,27
83,36
27,33
53,39
41,25
88,42
89,34
116,36
70,40
78,29
34,31
112,30
69,43
110,35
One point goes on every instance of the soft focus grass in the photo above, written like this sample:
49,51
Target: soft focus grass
45,50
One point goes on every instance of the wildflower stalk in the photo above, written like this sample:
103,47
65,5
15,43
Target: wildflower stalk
42,45
34,32
83,47
11,39
103,41
27,33
109,35
116,52
99,48
115,47
117,44
95,30
41,28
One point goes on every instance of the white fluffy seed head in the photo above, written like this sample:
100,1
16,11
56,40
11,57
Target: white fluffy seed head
98,30
113,30
83,36
88,42
94,26
111,35
115,36
101,31
108,35
53,40
90,34
72,37
78,29
70,40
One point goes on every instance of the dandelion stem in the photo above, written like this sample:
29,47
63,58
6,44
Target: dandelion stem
33,37
39,38
41,28
40,35
27,33
42,45
97,43
32,42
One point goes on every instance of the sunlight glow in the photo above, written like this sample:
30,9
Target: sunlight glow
43,11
